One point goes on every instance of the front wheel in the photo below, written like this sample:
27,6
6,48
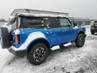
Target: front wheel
80,40
38,53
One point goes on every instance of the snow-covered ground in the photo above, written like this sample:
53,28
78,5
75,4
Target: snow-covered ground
65,60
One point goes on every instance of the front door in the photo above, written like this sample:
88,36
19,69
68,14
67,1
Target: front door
67,31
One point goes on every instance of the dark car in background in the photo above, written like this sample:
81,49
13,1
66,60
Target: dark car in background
94,27
38,33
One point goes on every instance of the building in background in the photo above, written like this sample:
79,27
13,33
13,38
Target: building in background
81,21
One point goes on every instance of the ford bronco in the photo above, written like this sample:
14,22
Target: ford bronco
37,34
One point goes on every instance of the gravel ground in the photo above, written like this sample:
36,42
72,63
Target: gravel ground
69,59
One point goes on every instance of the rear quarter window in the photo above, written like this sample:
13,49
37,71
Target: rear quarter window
37,22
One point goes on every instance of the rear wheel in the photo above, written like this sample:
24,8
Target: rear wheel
80,40
38,53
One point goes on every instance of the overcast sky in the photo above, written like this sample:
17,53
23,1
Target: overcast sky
76,8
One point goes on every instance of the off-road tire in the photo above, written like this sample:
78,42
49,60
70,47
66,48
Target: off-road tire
38,53
80,40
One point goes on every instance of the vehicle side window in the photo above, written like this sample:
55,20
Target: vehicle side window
32,22
53,23
64,22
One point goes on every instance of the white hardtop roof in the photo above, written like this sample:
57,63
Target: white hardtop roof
37,13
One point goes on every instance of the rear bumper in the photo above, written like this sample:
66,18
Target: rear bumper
18,53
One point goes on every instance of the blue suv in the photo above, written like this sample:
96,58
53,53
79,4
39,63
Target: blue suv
38,34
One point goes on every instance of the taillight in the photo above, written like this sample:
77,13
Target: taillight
17,39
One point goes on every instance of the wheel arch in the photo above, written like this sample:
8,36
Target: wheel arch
37,41
81,32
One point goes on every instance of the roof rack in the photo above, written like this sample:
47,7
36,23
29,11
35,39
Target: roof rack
34,12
